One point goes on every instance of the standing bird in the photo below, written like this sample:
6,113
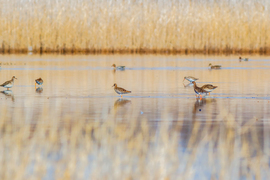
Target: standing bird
9,84
214,66
39,82
199,90
118,67
120,90
245,59
208,88
190,78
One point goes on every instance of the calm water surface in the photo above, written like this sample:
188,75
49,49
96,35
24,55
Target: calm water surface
216,137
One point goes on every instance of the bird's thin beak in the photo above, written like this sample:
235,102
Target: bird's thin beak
183,79
113,85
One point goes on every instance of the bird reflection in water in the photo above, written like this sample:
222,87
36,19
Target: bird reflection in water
9,94
121,102
199,103
39,90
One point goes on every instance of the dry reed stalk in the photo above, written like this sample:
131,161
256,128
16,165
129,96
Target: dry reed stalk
135,26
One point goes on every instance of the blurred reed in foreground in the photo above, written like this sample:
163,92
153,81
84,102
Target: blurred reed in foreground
73,148
132,26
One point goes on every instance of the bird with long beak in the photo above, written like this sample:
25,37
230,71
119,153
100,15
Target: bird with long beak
208,88
9,84
39,81
118,67
190,78
199,90
120,90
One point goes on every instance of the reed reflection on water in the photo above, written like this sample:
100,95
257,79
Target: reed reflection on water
76,127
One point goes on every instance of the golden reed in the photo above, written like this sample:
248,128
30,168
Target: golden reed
133,26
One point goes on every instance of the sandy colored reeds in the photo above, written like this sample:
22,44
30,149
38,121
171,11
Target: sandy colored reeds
132,26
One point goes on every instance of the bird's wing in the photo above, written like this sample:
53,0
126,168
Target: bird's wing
5,83
123,90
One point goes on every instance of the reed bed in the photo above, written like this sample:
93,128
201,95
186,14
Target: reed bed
69,147
135,26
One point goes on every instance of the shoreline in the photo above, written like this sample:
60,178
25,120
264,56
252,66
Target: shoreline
261,51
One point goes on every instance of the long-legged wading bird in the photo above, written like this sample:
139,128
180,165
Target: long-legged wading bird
39,81
208,88
9,84
199,90
190,78
120,90
214,66
118,67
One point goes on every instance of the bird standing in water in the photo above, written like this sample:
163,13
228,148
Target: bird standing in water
9,84
120,90
39,81
199,90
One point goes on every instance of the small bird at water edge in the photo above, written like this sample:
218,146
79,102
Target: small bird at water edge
120,90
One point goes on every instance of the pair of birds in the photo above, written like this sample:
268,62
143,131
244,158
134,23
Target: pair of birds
117,89
10,83
204,90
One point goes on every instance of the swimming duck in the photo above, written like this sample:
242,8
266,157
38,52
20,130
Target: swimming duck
120,90
199,90
39,81
119,67
214,66
190,78
245,59
9,84
208,88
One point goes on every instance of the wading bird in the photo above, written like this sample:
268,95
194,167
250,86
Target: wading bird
39,81
199,90
120,90
9,84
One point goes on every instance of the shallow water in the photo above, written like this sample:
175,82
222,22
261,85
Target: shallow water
172,132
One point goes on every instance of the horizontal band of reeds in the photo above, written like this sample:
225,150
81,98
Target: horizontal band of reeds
120,26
